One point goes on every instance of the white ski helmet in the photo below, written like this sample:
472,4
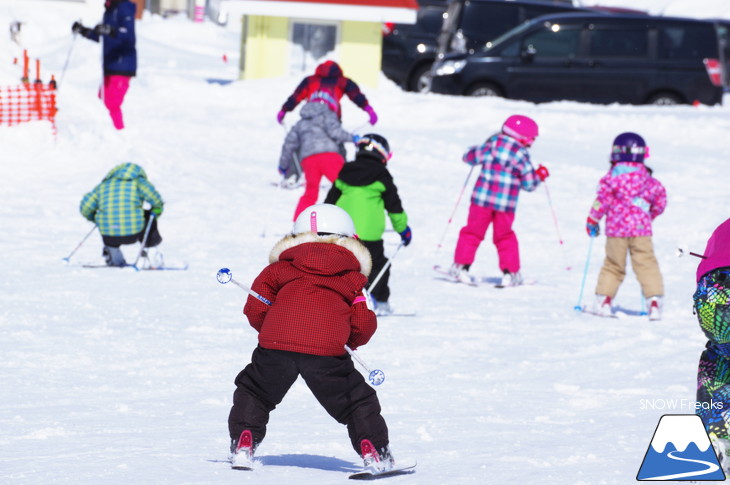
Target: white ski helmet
324,219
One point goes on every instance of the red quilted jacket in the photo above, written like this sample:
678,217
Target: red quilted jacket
311,283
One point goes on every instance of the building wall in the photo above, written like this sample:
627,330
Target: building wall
266,49
360,51
265,46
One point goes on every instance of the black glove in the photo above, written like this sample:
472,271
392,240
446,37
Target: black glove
78,28
104,29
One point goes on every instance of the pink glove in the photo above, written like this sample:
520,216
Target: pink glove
370,111
280,116
542,173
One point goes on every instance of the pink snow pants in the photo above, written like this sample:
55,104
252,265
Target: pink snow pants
504,238
115,87
328,164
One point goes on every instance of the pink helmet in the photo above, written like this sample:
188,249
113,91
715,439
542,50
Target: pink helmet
521,128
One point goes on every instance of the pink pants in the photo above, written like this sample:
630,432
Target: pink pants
328,164
115,87
504,238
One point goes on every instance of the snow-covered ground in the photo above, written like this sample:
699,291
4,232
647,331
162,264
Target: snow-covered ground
114,376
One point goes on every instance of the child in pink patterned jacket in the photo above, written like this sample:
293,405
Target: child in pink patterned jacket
630,198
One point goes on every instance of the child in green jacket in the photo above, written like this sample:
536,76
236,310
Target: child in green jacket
116,206
365,189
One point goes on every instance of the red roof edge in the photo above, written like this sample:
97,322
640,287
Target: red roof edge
409,4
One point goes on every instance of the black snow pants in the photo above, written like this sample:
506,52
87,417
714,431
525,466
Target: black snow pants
334,381
153,238
381,291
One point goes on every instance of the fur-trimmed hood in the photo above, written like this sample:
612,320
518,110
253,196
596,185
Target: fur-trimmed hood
353,246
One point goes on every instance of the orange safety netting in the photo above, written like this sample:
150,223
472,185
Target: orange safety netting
28,102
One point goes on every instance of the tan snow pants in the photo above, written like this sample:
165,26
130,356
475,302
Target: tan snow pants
643,262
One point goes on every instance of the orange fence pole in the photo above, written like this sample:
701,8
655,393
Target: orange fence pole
25,77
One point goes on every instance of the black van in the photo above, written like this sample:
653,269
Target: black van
410,50
597,58
469,24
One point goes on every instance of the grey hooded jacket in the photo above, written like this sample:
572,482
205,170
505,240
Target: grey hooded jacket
318,131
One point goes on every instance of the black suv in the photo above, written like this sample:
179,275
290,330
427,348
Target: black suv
410,50
597,58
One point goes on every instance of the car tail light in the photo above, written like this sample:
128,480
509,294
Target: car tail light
714,70
388,28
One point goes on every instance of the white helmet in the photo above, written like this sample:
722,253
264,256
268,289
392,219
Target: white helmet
324,219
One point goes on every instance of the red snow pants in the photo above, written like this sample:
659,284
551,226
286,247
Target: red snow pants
326,164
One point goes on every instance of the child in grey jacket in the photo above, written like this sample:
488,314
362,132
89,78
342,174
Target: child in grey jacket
315,140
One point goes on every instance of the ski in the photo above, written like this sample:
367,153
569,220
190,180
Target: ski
288,186
449,277
398,470
500,285
588,311
616,312
296,185
155,268
479,281
183,267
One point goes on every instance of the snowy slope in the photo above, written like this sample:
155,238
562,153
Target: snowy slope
112,376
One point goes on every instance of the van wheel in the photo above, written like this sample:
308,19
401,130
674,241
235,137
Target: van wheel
665,99
420,79
483,89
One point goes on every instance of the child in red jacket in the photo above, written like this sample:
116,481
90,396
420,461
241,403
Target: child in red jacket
315,283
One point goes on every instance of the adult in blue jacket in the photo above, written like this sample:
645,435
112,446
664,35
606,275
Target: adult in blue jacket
116,33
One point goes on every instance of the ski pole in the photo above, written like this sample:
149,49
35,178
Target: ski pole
555,221
295,158
68,258
578,307
376,377
359,127
144,239
683,249
103,84
383,269
458,200
224,276
65,64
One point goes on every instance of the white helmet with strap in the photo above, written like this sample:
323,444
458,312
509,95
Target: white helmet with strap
324,219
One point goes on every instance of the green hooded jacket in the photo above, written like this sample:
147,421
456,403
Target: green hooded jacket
365,189
116,204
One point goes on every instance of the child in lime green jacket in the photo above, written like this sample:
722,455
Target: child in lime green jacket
365,189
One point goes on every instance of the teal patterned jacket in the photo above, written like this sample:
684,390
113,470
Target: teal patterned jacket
116,204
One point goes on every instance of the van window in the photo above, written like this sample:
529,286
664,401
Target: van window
487,20
430,19
687,42
531,11
554,41
619,43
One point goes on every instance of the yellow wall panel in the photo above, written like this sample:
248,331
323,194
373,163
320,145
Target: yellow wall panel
360,51
266,46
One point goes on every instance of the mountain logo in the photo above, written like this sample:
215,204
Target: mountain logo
680,450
